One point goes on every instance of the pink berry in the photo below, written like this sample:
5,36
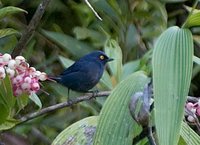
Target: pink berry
17,92
189,106
43,76
198,111
26,86
6,57
19,79
35,86
10,72
190,118
19,60
12,64
27,80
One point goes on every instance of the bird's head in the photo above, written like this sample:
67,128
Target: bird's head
99,56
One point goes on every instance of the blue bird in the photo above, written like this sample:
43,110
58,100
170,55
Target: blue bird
85,73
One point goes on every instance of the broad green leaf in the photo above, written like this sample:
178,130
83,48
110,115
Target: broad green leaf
113,50
4,111
115,125
130,68
7,31
10,10
172,72
7,92
36,100
79,133
8,124
65,61
189,135
193,19
68,43
196,60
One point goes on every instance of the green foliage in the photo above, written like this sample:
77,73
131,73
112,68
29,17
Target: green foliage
172,72
113,50
190,137
115,124
9,11
36,100
68,43
7,32
81,132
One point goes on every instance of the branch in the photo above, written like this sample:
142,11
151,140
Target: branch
30,28
43,111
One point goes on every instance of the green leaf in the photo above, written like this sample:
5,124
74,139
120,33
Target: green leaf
68,43
172,72
189,135
10,10
79,133
65,61
196,60
7,32
193,19
4,111
113,50
84,33
115,125
8,124
36,100
22,101
130,68
7,92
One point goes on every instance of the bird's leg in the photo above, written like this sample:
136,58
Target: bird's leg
68,93
94,93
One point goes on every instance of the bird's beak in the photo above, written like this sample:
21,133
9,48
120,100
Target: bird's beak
110,59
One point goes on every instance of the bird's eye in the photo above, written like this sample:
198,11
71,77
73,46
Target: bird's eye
101,57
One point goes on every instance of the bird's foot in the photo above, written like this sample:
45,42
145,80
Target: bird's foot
94,93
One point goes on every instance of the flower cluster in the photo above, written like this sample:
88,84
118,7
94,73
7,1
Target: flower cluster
194,108
24,79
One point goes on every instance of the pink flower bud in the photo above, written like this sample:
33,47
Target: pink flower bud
10,72
43,76
190,119
2,76
2,70
18,92
12,64
198,111
193,110
36,73
19,79
26,86
6,57
189,106
19,60
35,86
2,73
27,80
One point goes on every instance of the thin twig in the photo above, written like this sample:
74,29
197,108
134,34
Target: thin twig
43,111
90,6
30,28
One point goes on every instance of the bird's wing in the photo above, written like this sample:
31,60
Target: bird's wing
78,66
